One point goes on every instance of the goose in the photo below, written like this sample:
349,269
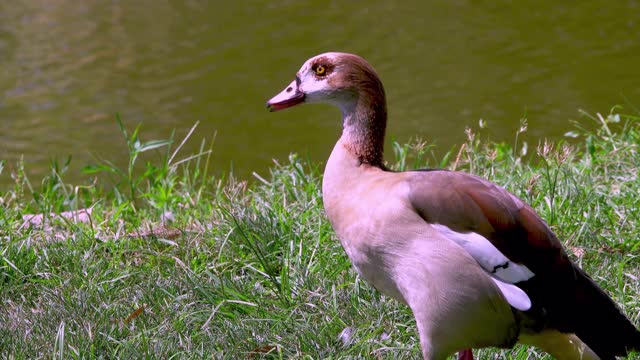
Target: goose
475,264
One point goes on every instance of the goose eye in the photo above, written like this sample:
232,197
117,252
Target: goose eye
320,70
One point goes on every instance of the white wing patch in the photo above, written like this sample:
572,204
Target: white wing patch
514,295
504,272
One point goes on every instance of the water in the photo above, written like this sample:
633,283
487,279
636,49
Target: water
67,67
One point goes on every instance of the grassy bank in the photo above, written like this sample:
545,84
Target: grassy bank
164,261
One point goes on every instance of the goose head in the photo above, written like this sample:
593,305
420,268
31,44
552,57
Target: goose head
344,80
350,83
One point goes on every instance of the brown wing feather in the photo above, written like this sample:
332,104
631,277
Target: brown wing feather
467,203
519,232
563,296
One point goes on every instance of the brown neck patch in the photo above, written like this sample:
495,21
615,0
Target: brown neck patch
364,128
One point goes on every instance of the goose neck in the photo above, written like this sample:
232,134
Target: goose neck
364,127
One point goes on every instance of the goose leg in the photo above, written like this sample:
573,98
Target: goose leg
466,354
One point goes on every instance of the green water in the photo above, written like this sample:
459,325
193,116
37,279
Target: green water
66,67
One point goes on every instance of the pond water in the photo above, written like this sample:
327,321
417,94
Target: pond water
67,67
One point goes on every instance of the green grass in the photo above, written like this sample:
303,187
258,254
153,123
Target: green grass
177,264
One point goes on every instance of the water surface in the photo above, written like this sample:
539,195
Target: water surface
67,67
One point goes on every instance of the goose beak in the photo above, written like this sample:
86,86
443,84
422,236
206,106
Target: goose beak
290,96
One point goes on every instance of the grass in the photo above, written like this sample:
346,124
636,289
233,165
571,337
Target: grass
170,262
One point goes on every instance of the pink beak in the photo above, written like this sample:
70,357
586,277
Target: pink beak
288,97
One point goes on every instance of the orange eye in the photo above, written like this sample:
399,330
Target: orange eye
320,70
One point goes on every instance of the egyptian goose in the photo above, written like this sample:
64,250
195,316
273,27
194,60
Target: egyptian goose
476,265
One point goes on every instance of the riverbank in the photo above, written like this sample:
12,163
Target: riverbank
167,261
